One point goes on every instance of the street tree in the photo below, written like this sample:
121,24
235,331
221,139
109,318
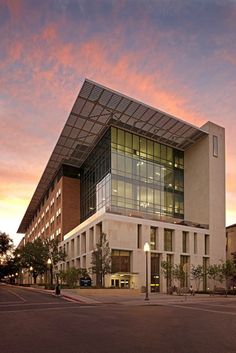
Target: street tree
214,273
228,271
196,273
101,260
179,274
10,268
167,271
72,275
6,243
54,253
34,256
234,260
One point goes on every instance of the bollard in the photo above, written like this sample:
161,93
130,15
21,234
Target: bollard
57,290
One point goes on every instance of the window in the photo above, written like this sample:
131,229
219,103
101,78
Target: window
170,261
120,261
78,244
58,193
168,240
185,263
215,146
58,232
206,244
72,247
153,238
83,242
155,272
139,236
58,212
146,176
91,238
205,266
185,242
195,243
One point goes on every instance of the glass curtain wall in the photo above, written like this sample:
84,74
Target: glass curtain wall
130,174
147,177
95,180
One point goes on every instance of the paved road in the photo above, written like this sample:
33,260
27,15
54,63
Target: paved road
14,298
40,323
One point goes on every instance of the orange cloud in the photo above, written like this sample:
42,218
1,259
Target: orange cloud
45,72
49,32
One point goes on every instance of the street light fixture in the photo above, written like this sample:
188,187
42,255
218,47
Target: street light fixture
146,249
31,273
49,263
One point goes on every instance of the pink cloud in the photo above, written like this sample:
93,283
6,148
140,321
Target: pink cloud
15,51
15,9
45,81
49,32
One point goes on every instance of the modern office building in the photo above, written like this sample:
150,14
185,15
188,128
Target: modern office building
139,175
230,241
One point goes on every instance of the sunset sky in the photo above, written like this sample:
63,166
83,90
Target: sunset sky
176,55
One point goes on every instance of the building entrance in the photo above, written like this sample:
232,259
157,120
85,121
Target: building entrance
120,282
155,272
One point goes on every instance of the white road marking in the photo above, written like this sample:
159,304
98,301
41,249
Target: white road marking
17,295
47,309
27,304
202,309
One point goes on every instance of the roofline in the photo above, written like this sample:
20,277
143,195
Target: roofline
144,104
81,132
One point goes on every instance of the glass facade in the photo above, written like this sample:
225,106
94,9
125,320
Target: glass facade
96,167
130,174
147,177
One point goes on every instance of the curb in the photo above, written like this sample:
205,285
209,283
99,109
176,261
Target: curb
68,297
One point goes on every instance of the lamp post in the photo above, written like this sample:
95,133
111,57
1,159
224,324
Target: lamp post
49,262
146,249
31,273
22,277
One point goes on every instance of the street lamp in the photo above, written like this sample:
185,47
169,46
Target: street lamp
31,273
49,263
146,249
22,277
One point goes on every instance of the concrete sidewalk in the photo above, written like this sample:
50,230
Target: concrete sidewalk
92,296
134,297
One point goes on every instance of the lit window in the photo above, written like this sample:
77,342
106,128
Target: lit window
168,240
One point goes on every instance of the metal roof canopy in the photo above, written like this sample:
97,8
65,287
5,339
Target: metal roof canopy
95,109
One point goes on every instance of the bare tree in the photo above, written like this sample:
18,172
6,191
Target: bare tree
101,260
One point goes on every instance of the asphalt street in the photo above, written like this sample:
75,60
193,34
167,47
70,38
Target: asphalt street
32,322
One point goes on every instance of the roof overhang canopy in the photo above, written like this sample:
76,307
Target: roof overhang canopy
95,109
